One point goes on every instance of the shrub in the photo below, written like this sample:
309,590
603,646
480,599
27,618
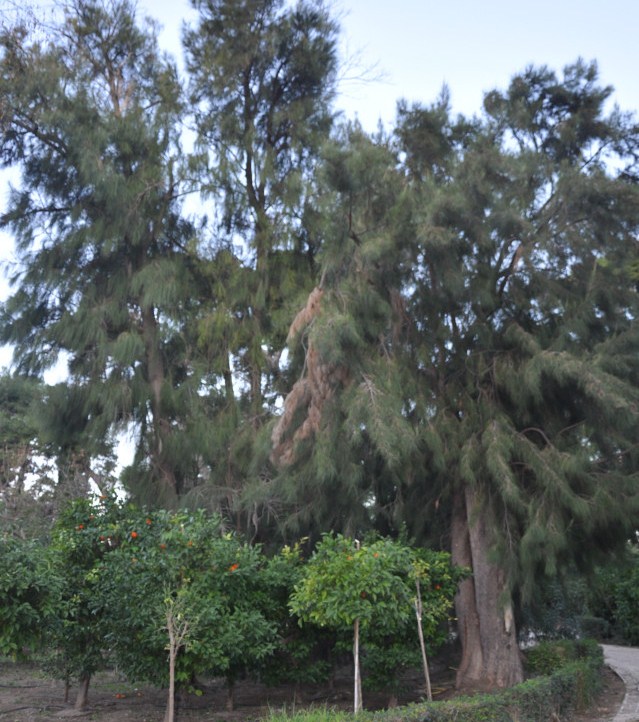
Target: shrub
614,597
572,685
626,606
28,590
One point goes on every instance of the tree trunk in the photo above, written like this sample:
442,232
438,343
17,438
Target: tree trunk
83,693
169,714
230,695
177,628
490,654
169,487
357,694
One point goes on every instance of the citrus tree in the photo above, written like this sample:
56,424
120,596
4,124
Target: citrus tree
29,588
303,653
179,576
346,584
378,589
83,535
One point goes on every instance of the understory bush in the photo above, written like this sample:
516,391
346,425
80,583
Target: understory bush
614,600
574,679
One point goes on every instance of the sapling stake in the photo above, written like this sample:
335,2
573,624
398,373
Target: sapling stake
357,694
422,644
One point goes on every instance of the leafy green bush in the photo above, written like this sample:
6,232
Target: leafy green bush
614,598
547,657
28,590
373,588
595,627
163,559
626,606
303,653
571,686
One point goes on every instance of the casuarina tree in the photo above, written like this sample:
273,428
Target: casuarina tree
484,300
90,117
262,77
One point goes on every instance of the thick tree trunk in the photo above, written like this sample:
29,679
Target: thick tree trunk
169,487
490,653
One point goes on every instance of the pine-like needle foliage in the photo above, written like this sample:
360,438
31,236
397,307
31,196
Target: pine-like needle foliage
480,293
90,115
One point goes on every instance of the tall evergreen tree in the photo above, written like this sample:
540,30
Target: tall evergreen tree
342,443
262,78
90,114
506,340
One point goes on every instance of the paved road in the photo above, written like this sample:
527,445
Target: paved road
625,662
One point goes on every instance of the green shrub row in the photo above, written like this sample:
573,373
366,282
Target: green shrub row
166,597
574,680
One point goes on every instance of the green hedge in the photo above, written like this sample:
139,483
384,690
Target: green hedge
573,681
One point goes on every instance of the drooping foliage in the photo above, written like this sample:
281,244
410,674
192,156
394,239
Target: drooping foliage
488,311
448,313
342,442
262,75
20,512
91,116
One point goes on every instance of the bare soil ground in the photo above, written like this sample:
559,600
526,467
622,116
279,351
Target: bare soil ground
27,696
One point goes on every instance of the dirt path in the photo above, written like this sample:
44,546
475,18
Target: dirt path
625,662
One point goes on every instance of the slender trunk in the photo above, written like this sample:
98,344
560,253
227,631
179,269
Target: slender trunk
357,694
230,695
490,653
422,643
177,628
170,703
83,692
169,715
228,381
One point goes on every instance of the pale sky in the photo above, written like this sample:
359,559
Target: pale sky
473,46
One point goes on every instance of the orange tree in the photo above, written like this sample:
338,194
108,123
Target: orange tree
371,589
304,654
81,538
166,560
29,588
433,581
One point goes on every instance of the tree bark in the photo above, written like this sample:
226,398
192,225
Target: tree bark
357,691
167,480
490,654
83,692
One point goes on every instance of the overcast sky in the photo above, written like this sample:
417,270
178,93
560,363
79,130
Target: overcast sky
413,47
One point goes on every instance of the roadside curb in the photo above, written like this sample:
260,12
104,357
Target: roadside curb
624,661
